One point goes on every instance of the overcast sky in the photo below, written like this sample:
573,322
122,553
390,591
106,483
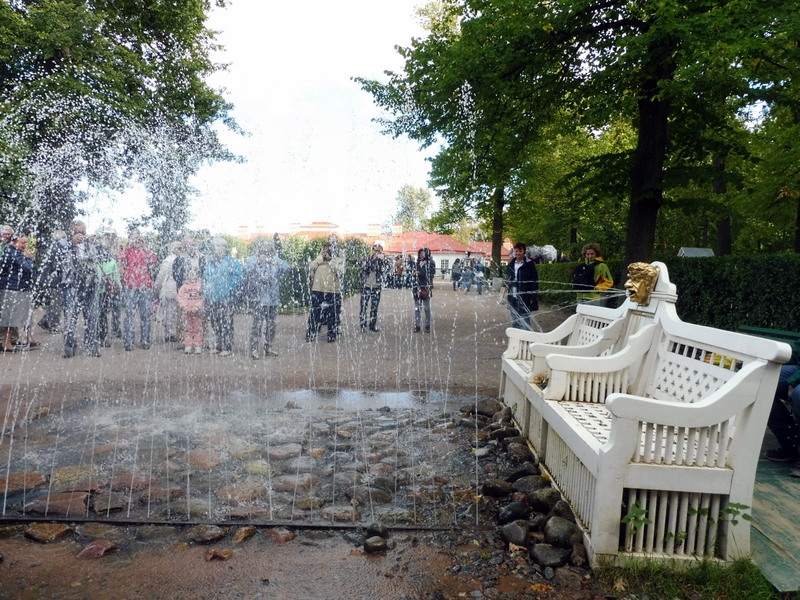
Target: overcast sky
313,153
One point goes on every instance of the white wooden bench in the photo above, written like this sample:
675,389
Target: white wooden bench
591,331
665,431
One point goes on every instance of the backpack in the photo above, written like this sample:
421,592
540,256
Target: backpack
583,277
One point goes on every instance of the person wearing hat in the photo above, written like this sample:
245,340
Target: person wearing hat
263,271
371,284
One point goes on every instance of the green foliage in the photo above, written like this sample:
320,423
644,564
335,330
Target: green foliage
701,580
636,518
727,292
723,292
508,91
102,93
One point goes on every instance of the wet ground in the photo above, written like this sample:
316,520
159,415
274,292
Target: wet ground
316,443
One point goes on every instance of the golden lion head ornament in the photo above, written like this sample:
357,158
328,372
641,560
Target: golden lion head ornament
642,280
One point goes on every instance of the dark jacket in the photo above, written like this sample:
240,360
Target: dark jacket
16,272
524,284
425,272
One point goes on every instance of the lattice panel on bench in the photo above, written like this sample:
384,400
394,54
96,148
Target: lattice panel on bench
688,373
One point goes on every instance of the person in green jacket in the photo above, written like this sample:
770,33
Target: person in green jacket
592,276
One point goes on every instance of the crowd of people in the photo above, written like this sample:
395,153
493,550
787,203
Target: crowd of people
118,289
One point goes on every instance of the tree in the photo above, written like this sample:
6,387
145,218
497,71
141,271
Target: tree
87,86
413,205
677,71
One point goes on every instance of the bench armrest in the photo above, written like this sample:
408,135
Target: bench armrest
607,338
729,400
634,350
518,339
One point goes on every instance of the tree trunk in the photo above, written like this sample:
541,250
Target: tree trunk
498,204
724,231
797,227
648,161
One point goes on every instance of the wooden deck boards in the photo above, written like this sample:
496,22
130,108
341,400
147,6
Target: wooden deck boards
776,525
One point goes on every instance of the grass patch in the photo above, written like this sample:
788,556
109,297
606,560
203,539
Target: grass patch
703,580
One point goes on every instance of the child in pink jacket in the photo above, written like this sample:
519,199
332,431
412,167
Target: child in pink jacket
190,300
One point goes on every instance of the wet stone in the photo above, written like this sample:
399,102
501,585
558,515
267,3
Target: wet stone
258,467
380,468
67,503
376,544
527,468
205,459
545,499
218,554
280,534
284,451
561,532
188,508
487,407
244,450
548,555
96,549
429,493
530,483
109,502
496,488
370,495
133,481
301,464
564,510
160,494
241,492
46,532
249,512
243,534
519,453
205,534
514,511
516,532
341,513
18,482
310,503
291,483
71,475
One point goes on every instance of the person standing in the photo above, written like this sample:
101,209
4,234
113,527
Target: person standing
479,276
16,280
422,289
522,283
166,291
47,287
455,274
263,272
371,283
190,300
135,261
326,272
398,271
592,276
221,281
76,261
109,292
467,274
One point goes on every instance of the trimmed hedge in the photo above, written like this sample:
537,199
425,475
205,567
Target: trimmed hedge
723,292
